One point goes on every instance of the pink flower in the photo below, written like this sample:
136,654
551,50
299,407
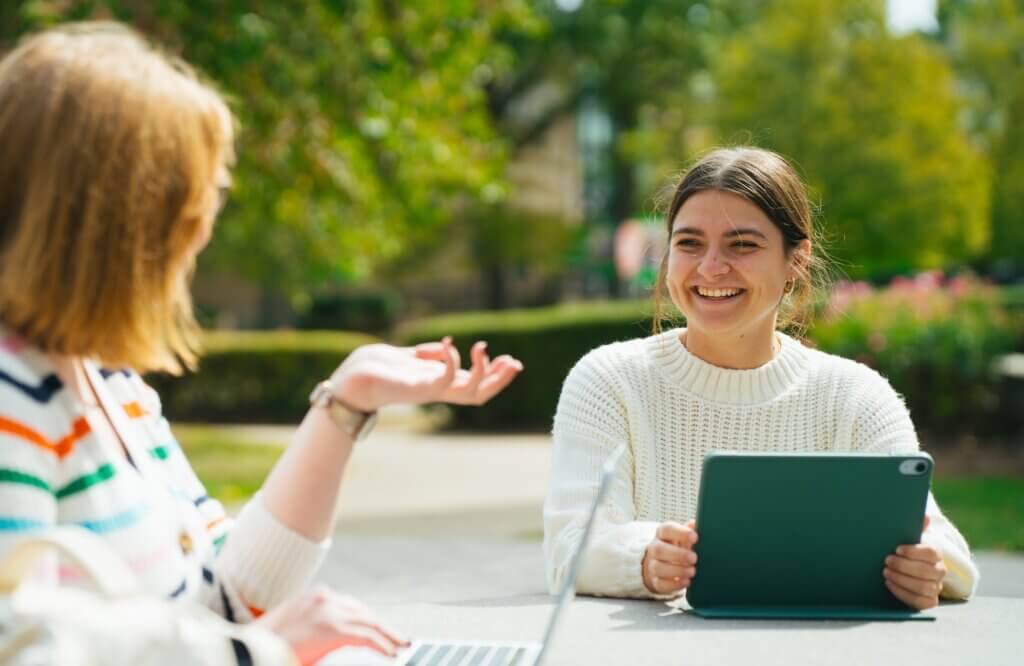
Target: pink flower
900,283
928,281
959,286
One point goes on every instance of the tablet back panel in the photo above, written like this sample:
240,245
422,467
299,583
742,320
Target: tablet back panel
805,535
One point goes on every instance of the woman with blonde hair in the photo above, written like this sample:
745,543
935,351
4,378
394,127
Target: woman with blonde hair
740,265
115,164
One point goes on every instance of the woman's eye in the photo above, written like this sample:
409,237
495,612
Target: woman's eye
687,243
744,245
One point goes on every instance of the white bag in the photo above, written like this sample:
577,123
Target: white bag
113,624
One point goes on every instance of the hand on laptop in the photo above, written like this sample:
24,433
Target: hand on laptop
377,375
320,620
914,574
669,563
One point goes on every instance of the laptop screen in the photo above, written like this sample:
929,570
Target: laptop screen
568,590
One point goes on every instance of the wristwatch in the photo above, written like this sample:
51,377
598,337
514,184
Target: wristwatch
356,423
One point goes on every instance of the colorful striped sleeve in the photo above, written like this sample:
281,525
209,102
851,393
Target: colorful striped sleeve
30,454
256,562
39,440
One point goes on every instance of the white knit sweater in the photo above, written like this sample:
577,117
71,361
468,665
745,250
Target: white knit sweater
672,408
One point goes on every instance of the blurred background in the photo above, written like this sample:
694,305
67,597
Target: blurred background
493,170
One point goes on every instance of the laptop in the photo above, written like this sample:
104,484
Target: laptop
805,536
478,653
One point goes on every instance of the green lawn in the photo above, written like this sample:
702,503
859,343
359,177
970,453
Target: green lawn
988,510
231,468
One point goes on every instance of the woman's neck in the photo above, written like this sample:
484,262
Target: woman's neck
71,371
735,352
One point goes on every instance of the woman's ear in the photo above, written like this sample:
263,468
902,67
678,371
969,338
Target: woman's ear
800,260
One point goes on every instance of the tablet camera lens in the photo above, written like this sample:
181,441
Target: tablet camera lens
913,467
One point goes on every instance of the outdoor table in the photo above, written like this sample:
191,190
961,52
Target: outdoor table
987,630
472,588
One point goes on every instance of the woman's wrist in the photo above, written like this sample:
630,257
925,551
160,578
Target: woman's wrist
353,390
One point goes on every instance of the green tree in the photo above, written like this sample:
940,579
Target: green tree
986,42
365,125
872,120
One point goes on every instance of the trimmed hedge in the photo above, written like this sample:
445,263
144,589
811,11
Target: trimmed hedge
937,346
936,342
255,376
548,341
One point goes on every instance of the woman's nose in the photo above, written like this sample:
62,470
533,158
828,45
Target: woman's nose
712,265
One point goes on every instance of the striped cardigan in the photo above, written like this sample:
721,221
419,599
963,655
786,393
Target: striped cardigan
55,470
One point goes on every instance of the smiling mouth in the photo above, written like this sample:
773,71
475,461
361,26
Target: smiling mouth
708,294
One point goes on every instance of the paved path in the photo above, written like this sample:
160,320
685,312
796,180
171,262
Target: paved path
435,516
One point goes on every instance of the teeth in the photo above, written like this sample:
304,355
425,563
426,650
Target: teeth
717,293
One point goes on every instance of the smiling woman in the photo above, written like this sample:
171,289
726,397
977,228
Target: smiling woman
740,265
757,199
728,270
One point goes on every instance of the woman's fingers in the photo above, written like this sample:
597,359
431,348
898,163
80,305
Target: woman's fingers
668,584
675,533
912,599
430,351
920,552
392,636
668,567
484,379
365,635
923,587
669,552
354,611
345,634
924,570
926,587
438,351
449,356
501,373
479,368
661,569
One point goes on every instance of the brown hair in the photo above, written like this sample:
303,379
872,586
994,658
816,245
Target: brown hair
768,181
111,152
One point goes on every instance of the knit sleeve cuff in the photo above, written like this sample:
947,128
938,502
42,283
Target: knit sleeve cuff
961,573
632,558
264,560
612,564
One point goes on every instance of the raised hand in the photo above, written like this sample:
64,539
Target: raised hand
377,375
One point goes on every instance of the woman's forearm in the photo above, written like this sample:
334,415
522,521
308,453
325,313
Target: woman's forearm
302,488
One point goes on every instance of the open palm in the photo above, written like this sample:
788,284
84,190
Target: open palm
377,375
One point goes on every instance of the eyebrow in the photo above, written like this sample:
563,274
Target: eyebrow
694,231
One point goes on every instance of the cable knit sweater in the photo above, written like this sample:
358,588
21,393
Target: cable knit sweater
672,408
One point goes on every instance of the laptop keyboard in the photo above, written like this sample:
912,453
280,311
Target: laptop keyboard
442,654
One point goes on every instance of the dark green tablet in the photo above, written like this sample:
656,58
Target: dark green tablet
805,535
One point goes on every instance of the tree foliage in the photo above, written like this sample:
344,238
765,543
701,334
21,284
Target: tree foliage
986,43
872,120
374,131
365,125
